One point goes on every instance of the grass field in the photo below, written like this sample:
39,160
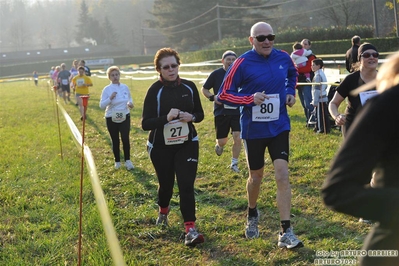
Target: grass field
39,192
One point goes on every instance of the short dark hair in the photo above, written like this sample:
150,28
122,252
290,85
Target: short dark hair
318,62
81,67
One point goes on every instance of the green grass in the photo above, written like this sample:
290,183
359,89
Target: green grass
39,192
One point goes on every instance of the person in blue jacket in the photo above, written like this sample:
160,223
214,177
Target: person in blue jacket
262,81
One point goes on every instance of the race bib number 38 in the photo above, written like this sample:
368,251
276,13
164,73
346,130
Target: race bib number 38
267,111
175,132
118,116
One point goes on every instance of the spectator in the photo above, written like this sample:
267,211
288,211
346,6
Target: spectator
305,91
372,145
117,102
300,57
351,55
262,81
226,117
319,97
171,107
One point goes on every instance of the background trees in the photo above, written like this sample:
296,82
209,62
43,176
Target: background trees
142,26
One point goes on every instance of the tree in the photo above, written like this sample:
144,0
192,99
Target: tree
83,29
342,12
110,36
206,22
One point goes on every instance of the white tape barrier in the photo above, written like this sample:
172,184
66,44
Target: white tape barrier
113,242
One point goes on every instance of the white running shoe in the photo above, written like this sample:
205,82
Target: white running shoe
129,165
289,240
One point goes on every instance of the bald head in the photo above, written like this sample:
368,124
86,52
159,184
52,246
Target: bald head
260,26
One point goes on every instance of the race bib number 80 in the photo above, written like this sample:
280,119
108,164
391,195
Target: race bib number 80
267,111
175,132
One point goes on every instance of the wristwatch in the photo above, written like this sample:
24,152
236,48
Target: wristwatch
193,118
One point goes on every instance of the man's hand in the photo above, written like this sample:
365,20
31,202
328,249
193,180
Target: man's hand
259,97
290,100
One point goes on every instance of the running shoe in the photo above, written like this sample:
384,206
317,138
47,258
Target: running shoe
218,150
117,165
129,165
234,168
289,240
251,229
193,238
162,219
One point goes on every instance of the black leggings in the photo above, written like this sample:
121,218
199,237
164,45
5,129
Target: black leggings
124,129
182,161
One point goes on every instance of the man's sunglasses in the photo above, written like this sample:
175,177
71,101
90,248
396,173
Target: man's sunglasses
169,66
367,55
262,38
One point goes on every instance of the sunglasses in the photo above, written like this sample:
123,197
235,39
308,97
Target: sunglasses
169,66
367,55
262,38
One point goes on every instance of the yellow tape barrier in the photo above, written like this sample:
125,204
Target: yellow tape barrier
113,242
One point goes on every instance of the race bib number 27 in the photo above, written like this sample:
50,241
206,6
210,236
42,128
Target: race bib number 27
267,111
175,132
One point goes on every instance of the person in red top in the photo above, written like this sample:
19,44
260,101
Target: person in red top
305,92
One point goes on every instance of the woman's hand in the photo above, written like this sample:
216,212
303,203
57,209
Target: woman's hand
173,113
113,95
340,120
185,117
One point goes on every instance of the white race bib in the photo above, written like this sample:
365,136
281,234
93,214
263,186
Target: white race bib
175,132
267,111
64,82
118,116
80,82
367,95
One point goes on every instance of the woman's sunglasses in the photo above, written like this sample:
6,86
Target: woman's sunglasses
367,55
262,38
169,66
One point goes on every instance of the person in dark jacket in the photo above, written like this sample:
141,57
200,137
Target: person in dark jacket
372,145
171,107
352,54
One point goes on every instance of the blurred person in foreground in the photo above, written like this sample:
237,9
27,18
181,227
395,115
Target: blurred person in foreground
372,145
226,117
171,107
117,102
262,81
81,84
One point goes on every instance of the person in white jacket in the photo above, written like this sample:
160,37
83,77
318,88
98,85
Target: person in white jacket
320,98
117,102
